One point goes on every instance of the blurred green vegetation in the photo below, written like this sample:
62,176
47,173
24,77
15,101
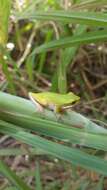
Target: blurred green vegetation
60,46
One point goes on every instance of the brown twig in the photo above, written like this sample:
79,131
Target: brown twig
103,82
88,84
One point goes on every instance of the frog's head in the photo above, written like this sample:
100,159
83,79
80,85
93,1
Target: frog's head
72,96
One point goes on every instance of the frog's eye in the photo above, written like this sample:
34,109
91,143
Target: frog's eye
74,102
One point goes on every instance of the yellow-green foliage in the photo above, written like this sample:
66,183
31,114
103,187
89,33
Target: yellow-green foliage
4,16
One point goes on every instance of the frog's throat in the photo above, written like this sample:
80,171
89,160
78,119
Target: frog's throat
38,106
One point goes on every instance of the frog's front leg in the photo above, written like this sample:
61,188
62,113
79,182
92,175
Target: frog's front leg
58,112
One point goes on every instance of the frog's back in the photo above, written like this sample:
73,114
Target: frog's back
56,98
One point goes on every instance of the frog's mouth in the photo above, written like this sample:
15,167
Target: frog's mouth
69,106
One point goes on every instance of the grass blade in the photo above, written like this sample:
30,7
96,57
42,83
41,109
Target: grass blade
72,155
21,111
20,151
90,37
5,170
38,178
85,18
67,56
4,17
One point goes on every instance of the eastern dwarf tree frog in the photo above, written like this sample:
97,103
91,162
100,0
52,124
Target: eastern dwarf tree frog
53,101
